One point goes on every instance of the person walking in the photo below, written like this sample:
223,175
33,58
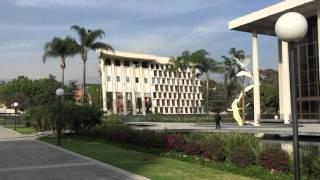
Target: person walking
218,120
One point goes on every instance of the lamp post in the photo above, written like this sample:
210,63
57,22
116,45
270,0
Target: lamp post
59,93
15,106
292,27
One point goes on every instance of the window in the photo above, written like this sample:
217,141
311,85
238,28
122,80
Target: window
107,62
126,63
128,79
145,80
155,73
117,62
158,81
136,64
153,80
154,95
152,66
157,66
118,78
137,80
108,78
145,64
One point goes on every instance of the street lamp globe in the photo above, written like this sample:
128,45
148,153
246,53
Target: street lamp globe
60,92
15,104
291,27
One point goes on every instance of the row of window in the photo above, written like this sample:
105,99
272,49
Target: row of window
173,110
175,95
174,81
172,74
177,102
127,79
175,88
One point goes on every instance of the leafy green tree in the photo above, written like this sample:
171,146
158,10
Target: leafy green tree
231,68
60,48
208,66
29,92
88,41
177,65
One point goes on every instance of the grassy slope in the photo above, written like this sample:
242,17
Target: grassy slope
21,129
145,164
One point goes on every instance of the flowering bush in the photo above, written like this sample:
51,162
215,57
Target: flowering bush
175,142
274,159
242,157
213,151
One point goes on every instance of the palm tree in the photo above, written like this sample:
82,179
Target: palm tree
207,66
177,65
60,48
88,41
193,60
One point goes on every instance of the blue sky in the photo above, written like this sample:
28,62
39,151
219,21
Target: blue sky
160,27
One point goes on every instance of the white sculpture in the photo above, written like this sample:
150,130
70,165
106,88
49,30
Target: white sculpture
235,109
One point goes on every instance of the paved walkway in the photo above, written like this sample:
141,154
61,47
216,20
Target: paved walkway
24,158
267,128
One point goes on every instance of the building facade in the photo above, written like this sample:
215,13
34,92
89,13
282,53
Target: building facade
141,84
305,54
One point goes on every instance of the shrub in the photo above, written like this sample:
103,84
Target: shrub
242,157
174,142
274,159
213,150
192,148
232,141
113,119
310,161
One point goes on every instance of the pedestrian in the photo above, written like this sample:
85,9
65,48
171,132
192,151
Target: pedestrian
218,119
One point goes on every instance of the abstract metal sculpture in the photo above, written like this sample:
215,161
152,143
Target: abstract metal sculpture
244,73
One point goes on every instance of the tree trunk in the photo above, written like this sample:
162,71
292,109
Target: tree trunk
84,82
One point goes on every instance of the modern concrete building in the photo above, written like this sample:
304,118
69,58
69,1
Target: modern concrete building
140,84
305,53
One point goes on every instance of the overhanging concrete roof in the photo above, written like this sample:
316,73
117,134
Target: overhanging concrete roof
134,56
263,21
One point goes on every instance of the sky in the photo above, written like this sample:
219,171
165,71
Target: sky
159,27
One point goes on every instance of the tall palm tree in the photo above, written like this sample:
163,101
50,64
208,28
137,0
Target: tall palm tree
177,65
193,60
60,48
88,41
207,66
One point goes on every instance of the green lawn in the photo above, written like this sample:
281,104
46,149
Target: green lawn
21,128
145,164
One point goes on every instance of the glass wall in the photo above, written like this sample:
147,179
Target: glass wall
305,55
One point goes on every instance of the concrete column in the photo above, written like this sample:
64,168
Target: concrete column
103,85
124,89
114,90
142,89
133,89
256,90
285,86
280,81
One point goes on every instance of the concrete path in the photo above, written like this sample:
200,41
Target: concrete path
24,158
267,128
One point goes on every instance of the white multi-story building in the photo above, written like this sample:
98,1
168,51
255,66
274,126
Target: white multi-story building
140,84
304,54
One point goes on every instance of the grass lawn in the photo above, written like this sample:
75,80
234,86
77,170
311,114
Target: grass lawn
146,164
21,128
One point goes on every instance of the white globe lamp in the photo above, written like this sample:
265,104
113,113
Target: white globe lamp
291,27
60,92
15,104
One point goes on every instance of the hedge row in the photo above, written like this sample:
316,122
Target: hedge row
238,148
